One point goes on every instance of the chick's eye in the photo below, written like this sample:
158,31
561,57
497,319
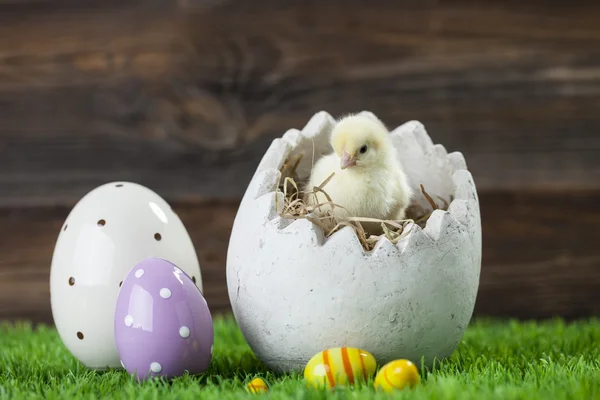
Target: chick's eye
363,149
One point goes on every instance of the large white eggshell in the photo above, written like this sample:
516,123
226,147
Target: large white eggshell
295,292
98,257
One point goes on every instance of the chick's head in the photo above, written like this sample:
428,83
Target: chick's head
361,142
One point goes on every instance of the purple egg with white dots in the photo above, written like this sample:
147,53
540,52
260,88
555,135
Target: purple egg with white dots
163,325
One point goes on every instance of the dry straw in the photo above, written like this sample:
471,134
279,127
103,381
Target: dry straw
295,207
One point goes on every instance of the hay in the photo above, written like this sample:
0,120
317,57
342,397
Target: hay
294,207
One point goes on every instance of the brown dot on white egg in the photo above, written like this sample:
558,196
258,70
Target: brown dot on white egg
194,279
101,222
80,335
71,281
65,228
120,283
119,185
158,237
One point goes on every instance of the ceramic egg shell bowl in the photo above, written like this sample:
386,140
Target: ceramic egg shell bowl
295,292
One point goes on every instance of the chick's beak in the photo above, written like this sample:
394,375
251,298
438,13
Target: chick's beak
347,160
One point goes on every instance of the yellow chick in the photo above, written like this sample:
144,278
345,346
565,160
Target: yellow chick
369,180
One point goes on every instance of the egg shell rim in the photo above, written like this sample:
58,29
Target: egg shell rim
263,189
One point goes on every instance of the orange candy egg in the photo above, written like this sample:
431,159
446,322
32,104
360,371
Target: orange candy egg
257,385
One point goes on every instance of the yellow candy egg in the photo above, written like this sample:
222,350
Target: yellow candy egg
397,375
339,366
257,385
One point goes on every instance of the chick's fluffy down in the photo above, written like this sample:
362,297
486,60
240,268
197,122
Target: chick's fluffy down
369,180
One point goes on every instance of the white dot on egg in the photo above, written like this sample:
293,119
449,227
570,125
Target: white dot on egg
155,367
184,332
139,273
165,293
128,320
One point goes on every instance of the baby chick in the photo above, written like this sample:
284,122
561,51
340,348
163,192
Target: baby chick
369,180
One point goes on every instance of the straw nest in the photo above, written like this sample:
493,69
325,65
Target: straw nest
294,207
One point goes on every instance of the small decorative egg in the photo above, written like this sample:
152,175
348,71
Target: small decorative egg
257,385
397,375
163,326
109,230
339,366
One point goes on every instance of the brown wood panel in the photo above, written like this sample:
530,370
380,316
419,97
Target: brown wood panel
540,255
186,97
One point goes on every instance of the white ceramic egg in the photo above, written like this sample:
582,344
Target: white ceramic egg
295,292
108,232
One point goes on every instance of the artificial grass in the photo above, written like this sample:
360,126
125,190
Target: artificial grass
495,360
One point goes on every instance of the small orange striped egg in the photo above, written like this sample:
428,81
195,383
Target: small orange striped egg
257,385
396,375
339,366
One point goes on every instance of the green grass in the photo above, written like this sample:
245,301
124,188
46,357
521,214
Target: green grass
496,360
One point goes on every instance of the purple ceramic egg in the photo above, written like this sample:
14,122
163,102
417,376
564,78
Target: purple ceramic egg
163,326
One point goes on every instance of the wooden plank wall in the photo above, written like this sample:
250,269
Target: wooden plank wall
185,96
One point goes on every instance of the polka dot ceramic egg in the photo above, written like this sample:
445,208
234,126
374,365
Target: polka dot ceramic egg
338,367
163,326
107,233
397,375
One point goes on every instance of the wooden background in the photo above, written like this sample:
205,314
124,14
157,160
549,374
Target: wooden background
185,96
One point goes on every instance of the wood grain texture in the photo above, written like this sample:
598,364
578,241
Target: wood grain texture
540,254
539,261
185,97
